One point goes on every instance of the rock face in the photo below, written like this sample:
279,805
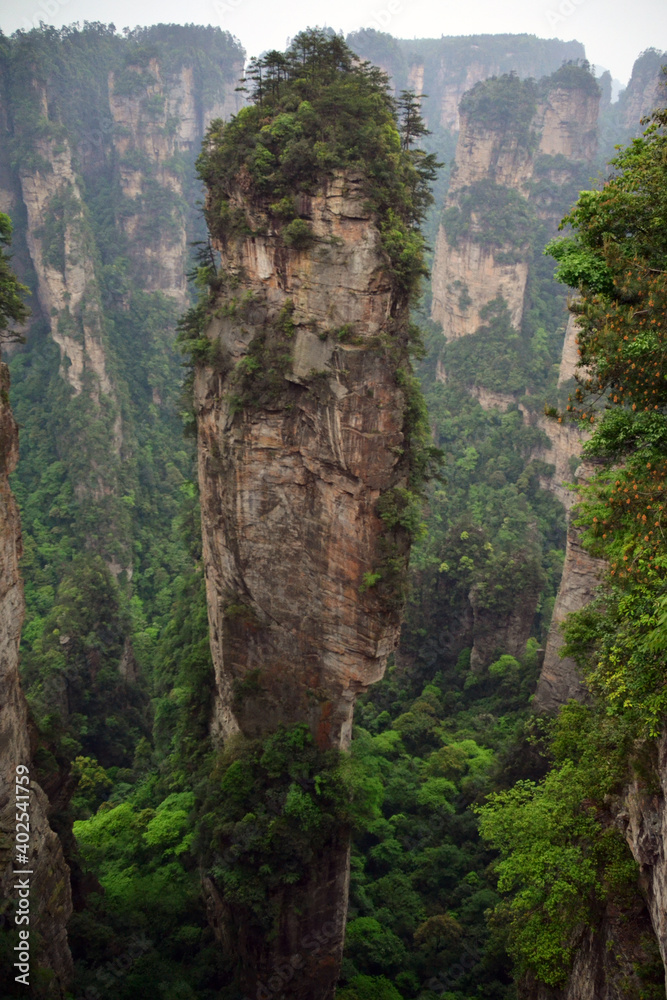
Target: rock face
570,356
290,475
469,280
103,198
560,679
608,960
643,819
562,449
63,262
534,158
155,125
566,120
445,68
50,898
645,91
289,490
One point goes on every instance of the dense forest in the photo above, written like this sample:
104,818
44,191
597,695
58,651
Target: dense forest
493,846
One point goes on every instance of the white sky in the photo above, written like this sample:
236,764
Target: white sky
613,31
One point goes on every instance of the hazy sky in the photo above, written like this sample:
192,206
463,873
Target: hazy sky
613,31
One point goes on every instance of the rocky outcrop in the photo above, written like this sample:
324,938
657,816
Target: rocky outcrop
62,254
566,120
611,961
289,490
570,356
50,897
290,472
162,117
466,278
562,450
532,152
645,91
488,399
445,68
560,678
642,817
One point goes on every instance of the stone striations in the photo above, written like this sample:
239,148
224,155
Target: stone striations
62,255
643,819
560,679
289,491
469,271
50,896
164,116
290,477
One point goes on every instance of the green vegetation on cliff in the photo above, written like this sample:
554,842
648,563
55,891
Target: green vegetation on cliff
13,309
317,110
118,670
616,257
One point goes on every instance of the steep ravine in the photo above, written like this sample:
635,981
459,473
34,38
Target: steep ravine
289,484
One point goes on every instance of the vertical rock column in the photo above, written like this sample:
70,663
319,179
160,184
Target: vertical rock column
301,421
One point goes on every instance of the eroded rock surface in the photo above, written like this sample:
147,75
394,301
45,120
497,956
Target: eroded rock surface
469,271
301,430
289,488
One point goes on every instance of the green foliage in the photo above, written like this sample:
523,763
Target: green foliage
494,216
317,110
75,688
420,886
561,860
12,307
574,74
498,356
503,103
579,266
619,234
400,507
558,860
369,988
270,807
298,235
150,908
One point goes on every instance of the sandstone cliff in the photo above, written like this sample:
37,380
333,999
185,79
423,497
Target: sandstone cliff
301,428
162,119
445,68
560,678
519,150
642,817
50,897
610,959
645,91
102,193
62,254
289,488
